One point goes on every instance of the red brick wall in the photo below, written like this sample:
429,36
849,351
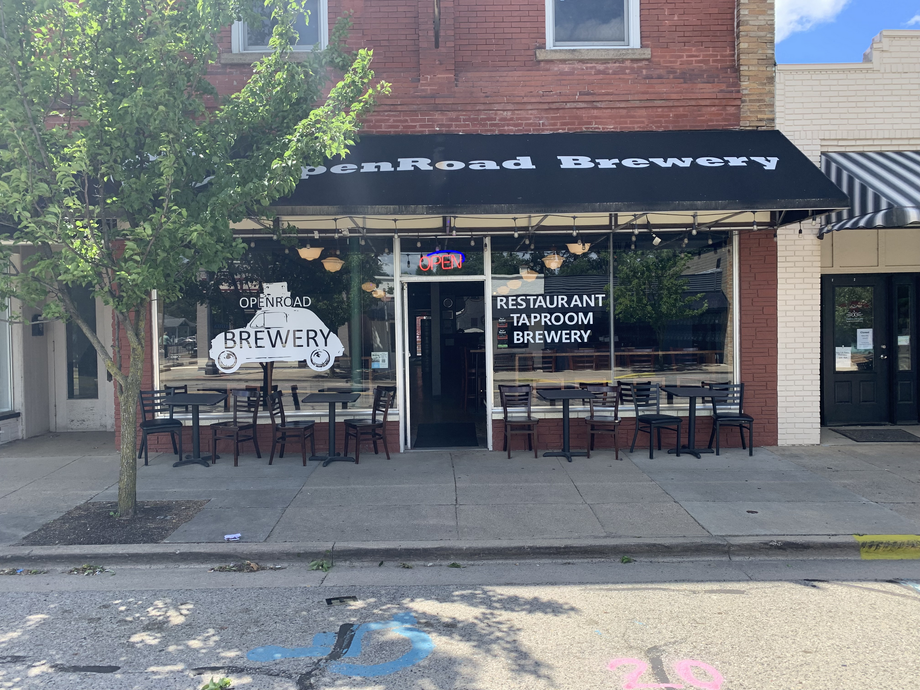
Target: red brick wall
757,304
485,78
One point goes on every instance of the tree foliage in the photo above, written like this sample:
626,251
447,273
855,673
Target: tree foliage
650,289
121,169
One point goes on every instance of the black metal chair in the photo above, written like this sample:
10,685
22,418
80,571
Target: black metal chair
604,414
646,400
284,431
516,411
172,390
238,430
729,411
153,405
374,428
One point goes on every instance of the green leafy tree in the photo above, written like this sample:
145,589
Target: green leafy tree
121,169
650,289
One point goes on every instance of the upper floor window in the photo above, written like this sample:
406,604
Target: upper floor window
592,24
248,38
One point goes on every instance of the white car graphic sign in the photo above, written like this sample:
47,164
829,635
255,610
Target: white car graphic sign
278,334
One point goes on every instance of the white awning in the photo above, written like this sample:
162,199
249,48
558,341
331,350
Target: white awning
883,186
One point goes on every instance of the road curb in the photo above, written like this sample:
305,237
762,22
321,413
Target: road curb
754,548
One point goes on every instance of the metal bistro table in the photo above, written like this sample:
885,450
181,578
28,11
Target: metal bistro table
332,399
344,389
692,393
194,400
565,395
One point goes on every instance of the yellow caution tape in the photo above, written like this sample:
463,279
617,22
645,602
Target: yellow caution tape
893,547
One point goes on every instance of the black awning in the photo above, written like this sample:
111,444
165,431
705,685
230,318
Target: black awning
631,172
883,186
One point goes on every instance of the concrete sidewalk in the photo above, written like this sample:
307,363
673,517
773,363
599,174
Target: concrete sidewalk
478,504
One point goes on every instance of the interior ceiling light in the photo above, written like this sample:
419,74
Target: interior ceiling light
514,284
310,253
332,264
553,260
369,286
502,290
528,274
377,292
578,248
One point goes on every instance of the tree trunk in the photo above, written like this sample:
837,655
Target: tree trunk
128,398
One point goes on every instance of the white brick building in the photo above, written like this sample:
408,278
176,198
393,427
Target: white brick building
864,107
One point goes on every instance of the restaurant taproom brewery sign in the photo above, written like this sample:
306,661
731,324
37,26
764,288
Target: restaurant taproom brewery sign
547,318
283,330
526,163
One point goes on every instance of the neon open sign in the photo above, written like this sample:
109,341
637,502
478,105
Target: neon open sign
441,259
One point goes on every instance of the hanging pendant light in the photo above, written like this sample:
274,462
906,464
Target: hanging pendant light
528,274
377,292
310,253
332,264
369,287
553,260
578,248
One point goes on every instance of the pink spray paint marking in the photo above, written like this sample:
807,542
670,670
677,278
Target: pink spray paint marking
684,669
631,680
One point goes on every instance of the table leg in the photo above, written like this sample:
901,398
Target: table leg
691,448
566,452
196,458
331,456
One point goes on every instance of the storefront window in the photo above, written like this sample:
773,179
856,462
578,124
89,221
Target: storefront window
296,318
551,312
670,302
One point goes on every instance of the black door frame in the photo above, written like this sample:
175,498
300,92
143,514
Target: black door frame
896,391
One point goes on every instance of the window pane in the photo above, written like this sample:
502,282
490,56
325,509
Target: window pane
551,313
904,327
332,326
443,257
82,364
256,37
589,21
673,305
853,317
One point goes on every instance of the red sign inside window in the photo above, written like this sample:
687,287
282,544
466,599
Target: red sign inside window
441,260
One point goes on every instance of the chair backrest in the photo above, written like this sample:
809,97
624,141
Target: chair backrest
152,404
275,408
247,402
516,397
176,389
606,400
734,396
384,396
295,396
643,396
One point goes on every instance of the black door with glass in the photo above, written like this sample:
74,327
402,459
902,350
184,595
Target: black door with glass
856,350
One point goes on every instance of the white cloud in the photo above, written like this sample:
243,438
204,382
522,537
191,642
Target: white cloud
914,20
793,16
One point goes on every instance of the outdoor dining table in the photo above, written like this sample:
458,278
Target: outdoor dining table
692,393
194,400
344,389
331,399
565,395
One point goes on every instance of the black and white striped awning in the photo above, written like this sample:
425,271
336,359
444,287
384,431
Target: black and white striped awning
883,186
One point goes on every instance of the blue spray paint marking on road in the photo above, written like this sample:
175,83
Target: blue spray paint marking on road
912,585
323,643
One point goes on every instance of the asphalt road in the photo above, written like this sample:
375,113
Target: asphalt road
712,625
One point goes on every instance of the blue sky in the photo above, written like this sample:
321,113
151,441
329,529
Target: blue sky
810,31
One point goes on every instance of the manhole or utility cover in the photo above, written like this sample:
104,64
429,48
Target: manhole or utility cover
879,435
340,601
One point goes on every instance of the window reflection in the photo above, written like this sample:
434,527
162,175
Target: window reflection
352,310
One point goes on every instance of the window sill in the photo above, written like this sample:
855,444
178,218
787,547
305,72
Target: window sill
594,54
251,57
8,415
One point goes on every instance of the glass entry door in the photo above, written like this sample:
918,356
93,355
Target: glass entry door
856,353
